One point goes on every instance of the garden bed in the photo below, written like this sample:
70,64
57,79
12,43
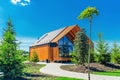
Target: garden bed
94,67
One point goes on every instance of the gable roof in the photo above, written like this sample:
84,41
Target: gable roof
53,36
74,29
47,37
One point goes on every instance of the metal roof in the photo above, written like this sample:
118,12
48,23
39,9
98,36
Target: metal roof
48,37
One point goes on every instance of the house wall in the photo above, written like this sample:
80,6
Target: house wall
42,52
56,55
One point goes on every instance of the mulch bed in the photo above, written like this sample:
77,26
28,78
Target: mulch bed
93,67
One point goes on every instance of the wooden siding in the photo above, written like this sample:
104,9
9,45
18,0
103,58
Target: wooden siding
42,52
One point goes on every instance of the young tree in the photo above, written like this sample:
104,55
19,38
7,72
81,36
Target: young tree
88,13
115,53
80,48
35,57
102,49
10,63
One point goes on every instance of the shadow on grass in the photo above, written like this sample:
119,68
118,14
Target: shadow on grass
18,78
34,75
27,76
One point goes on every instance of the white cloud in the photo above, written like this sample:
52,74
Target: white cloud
26,42
15,1
21,2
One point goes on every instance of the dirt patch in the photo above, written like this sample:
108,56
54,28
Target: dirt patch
93,67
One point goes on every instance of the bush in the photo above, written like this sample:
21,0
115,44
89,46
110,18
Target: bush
35,57
117,58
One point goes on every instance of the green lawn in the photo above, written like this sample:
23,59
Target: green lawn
112,73
31,72
65,78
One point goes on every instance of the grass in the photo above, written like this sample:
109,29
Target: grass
110,73
112,70
65,78
31,72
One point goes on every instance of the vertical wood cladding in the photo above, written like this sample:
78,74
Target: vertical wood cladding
42,51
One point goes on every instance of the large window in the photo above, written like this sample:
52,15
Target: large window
65,47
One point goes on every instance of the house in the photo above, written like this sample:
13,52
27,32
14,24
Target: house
55,45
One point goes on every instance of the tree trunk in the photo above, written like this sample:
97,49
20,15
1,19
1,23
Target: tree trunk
90,20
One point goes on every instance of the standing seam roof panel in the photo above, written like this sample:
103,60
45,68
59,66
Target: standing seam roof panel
46,38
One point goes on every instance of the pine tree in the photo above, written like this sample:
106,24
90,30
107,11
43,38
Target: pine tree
10,63
80,48
115,55
102,49
35,57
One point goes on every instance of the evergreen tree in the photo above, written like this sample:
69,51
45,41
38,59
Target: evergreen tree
115,53
102,49
10,63
80,48
93,56
35,57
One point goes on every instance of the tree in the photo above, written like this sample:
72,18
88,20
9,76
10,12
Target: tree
115,53
102,49
80,48
93,56
88,13
35,57
10,63
24,55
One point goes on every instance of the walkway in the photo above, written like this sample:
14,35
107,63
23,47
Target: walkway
54,69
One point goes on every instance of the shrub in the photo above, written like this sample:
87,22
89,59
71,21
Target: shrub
35,57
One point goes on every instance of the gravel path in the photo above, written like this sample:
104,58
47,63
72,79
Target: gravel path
54,69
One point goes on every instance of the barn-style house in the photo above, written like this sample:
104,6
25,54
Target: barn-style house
55,45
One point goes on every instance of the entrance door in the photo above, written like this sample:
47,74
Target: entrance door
51,54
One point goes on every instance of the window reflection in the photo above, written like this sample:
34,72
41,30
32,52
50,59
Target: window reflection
65,47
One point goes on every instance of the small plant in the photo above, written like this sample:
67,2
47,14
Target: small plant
35,57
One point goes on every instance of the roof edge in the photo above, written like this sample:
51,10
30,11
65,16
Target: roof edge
66,28
59,33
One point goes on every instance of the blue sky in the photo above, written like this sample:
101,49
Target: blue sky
33,18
